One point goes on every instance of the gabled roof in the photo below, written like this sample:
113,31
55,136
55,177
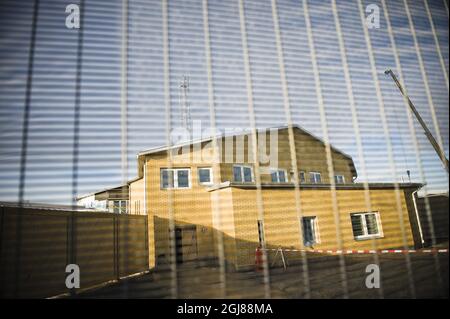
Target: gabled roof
245,132
102,191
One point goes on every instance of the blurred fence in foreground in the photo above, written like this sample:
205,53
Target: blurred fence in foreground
36,245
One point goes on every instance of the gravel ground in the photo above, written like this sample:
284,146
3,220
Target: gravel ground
419,276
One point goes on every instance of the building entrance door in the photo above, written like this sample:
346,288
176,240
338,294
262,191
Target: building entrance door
186,243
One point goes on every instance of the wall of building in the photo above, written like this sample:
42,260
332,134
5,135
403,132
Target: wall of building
282,222
434,219
137,202
92,202
310,155
184,207
224,225
227,218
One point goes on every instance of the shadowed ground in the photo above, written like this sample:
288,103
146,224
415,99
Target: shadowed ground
325,276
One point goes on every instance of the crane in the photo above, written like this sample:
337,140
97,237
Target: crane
434,143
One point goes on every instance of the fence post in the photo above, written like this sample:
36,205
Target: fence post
71,244
2,222
146,240
116,246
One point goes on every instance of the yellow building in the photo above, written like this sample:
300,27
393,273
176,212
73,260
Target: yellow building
210,199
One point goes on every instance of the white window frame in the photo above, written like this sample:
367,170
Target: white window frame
366,234
336,179
315,173
120,206
242,173
316,229
277,171
175,178
210,175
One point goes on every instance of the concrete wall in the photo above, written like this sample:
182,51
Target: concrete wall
36,245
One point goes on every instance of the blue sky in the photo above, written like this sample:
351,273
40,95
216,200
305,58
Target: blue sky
49,159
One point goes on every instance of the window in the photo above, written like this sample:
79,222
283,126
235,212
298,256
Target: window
175,178
205,175
310,234
315,177
339,179
120,207
366,225
302,176
278,176
260,232
242,174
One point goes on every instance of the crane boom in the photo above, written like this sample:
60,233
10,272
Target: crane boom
430,136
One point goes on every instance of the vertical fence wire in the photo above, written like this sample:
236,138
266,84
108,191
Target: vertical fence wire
432,108
253,136
170,194
215,200
292,146
77,106
355,124
24,146
390,154
124,127
436,41
329,159
398,67
254,139
423,72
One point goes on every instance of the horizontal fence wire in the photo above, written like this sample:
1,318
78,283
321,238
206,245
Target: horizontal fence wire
223,149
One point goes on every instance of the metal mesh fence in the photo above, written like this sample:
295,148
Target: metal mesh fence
263,146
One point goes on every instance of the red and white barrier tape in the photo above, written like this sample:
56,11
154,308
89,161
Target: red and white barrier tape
383,251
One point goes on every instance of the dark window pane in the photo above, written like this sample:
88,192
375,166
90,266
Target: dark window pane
204,175
274,177
237,174
260,232
308,231
318,179
247,174
315,178
167,178
357,225
371,222
302,177
282,176
339,179
183,178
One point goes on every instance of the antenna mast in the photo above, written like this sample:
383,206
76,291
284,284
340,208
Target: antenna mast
186,121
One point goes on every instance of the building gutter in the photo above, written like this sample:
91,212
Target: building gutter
416,210
145,187
356,186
